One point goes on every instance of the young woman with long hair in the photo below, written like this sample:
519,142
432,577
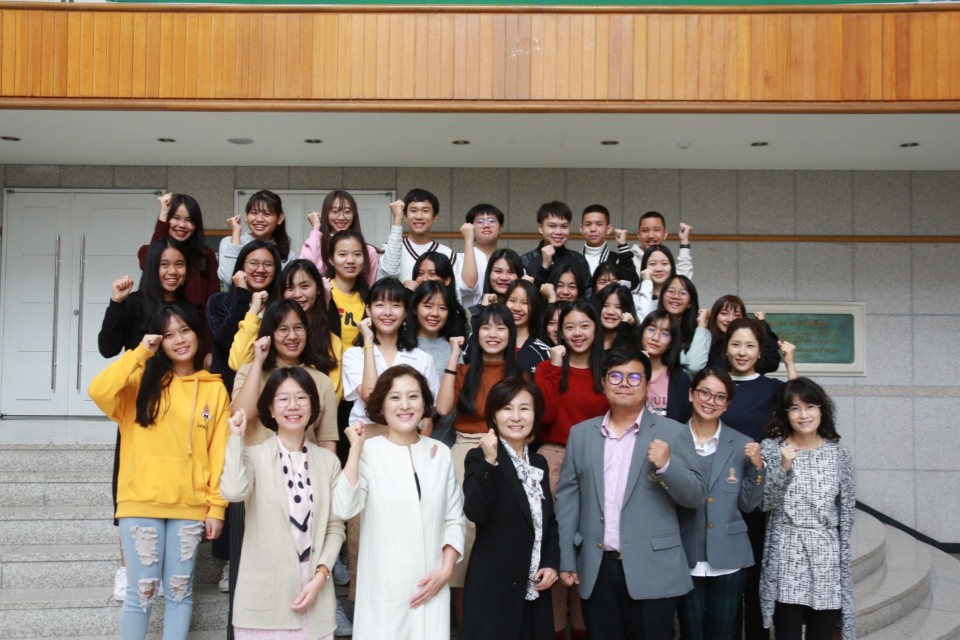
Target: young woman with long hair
810,499
297,551
679,298
180,219
525,303
412,526
168,495
731,465
514,537
348,266
255,271
571,383
725,310
567,283
618,317
338,212
493,347
656,267
668,387
302,283
267,223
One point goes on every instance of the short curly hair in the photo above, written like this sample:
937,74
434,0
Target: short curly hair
385,383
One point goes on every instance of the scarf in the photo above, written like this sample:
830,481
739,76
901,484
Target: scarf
299,498
530,478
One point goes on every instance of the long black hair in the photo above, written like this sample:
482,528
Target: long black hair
360,284
670,357
548,311
319,321
512,258
274,204
490,314
577,278
626,332
194,245
345,198
274,290
596,350
535,306
389,290
151,289
807,391
273,316
454,325
444,270
602,269
158,371
688,320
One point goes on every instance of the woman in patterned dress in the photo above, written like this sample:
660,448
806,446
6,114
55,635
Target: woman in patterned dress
807,577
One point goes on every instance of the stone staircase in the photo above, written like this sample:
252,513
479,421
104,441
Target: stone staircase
59,551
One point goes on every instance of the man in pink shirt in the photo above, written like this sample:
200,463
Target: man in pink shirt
622,476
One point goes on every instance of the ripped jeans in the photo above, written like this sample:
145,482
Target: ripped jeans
158,549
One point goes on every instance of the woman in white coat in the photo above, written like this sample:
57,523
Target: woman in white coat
291,536
412,529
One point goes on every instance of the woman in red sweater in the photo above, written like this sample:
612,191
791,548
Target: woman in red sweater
572,392
492,350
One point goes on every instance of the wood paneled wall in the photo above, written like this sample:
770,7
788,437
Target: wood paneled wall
814,58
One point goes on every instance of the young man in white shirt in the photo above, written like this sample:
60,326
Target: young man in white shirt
480,232
420,209
652,230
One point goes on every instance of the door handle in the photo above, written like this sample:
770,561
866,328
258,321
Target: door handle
56,313
83,267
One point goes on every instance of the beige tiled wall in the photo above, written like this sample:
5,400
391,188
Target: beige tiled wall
900,419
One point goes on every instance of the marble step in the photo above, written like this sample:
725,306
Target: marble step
937,616
96,459
897,587
93,565
868,545
57,524
26,488
91,611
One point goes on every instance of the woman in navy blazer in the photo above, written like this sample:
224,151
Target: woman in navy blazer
507,495
714,535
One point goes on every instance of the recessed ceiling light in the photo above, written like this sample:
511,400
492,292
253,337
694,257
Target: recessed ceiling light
460,142
609,143
10,138
908,145
240,140
313,141
759,143
166,140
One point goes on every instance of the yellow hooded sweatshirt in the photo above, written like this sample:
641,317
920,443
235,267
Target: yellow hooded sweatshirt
172,468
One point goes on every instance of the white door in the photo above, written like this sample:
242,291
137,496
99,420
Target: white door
61,251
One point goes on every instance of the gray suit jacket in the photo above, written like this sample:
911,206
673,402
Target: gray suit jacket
733,485
654,563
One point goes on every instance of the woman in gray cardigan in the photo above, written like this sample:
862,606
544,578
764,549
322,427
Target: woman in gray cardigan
291,535
807,576
715,535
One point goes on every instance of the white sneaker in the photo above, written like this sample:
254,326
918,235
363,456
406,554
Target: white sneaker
120,584
341,575
224,583
344,626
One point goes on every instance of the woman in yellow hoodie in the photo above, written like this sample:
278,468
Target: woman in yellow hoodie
173,420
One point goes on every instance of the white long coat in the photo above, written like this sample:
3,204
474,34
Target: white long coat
402,536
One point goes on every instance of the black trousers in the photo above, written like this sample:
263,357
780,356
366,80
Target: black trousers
709,611
788,621
611,614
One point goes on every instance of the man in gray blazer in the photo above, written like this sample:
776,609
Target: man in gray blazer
622,477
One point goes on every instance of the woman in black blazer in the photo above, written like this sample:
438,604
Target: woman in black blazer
507,495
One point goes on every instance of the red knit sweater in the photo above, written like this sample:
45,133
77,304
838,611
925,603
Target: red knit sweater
563,410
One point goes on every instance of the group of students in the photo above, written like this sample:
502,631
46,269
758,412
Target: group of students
422,405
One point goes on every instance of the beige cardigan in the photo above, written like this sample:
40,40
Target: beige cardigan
269,577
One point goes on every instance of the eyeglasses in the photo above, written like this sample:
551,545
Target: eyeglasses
705,396
341,213
298,329
256,264
616,378
653,331
485,222
810,410
680,293
283,401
